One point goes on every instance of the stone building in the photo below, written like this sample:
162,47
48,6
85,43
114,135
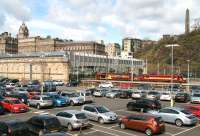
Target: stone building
131,44
113,49
8,44
37,44
34,67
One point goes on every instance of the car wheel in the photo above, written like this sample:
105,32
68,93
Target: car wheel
69,127
179,122
148,132
101,121
38,106
72,103
122,126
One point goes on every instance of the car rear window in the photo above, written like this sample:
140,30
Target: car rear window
185,112
80,116
153,93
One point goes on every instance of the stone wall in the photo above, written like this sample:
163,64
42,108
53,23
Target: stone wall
54,68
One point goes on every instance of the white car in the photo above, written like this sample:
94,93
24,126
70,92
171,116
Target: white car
10,85
106,85
138,94
165,96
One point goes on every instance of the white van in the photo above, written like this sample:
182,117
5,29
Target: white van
87,96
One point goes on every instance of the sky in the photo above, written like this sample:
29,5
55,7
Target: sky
108,20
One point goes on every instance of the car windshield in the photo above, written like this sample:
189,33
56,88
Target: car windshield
74,95
185,112
165,93
56,96
87,94
81,116
102,109
115,91
46,98
180,94
136,92
196,95
15,102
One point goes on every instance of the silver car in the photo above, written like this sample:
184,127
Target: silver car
74,98
99,113
176,115
40,101
72,119
153,95
100,92
113,93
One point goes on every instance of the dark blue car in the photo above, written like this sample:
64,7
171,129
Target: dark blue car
1,109
58,100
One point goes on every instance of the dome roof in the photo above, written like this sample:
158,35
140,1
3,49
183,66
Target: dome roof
23,28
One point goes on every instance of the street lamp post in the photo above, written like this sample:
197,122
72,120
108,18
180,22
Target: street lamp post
172,69
188,76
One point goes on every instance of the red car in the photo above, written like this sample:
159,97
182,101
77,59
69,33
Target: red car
14,105
194,109
143,122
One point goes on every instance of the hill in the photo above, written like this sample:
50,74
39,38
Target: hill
159,56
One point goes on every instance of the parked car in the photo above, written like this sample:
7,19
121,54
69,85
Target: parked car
143,122
14,105
166,96
176,115
58,82
106,85
114,93
33,93
195,98
1,98
21,96
49,86
34,85
40,101
144,104
182,97
73,119
1,109
42,124
56,134
21,90
10,85
13,128
138,94
99,113
100,92
194,109
125,94
153,95
58,100
74,98
87,96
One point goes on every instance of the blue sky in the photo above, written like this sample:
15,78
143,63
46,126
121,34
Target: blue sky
108,20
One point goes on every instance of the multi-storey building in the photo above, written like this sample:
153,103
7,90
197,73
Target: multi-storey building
113,49
38,44
131,44
8,44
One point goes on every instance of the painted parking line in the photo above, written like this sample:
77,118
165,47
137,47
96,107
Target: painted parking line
113,130
189,129
105,132
174,126
168,133
90,132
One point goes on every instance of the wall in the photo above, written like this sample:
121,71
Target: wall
55,68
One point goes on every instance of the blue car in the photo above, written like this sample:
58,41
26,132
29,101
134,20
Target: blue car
58,100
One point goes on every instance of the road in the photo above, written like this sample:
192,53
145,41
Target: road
116,105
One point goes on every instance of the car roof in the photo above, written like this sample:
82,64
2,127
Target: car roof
143,114
12,122
72,111
92,105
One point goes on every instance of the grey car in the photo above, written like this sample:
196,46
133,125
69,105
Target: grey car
73,119
113,93
74,98
99,113
39,101
176,115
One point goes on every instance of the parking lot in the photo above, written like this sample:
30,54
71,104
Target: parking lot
118,106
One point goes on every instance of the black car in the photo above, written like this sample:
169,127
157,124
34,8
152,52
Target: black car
43,124
125,94
182,97
13,128
144,104
56,134
21,96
